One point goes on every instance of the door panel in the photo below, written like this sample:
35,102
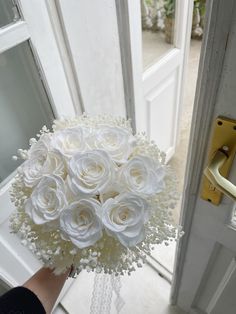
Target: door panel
164,63
209,230
218,279
93,43
206,261
154,76
162,114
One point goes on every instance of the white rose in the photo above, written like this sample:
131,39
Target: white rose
46,163
116,141
143,175
54,164
32,170
90,173
80,223
69,141
124,218
41,147
47,200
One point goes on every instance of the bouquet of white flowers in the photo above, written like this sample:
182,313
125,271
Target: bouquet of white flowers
93,195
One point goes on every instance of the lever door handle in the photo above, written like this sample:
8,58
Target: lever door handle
212,172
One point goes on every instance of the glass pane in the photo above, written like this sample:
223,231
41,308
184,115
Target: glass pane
24,106
158,18
8,12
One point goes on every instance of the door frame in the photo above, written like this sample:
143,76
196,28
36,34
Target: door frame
217,28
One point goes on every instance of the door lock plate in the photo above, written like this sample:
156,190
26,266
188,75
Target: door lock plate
224,139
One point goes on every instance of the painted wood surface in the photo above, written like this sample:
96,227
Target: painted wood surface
44,44
163,86
130,33
13,35
91,30
17,263
205,270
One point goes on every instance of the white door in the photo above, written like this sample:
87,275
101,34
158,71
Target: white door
104,41
158,60
91,33
205,277
33,91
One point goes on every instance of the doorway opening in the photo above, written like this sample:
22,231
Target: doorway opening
158,32
147,279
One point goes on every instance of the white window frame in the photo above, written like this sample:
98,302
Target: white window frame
39,27
36,27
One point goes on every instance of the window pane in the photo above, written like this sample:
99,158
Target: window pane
8,12
24,106
158,18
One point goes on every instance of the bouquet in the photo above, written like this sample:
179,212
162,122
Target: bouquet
93,195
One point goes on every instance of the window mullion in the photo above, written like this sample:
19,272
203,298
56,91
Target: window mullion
12,35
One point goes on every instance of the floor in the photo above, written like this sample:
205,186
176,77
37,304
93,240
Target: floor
145,291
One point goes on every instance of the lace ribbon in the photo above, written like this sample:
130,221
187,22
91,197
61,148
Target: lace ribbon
103,288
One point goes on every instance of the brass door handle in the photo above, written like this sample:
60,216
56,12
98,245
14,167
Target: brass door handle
221,155
212,172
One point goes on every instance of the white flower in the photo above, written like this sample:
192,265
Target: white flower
80,223
47,200
112,193
32,170
41,147
69,141
54,164
90,173
142,175
116,141
124,218
46,163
